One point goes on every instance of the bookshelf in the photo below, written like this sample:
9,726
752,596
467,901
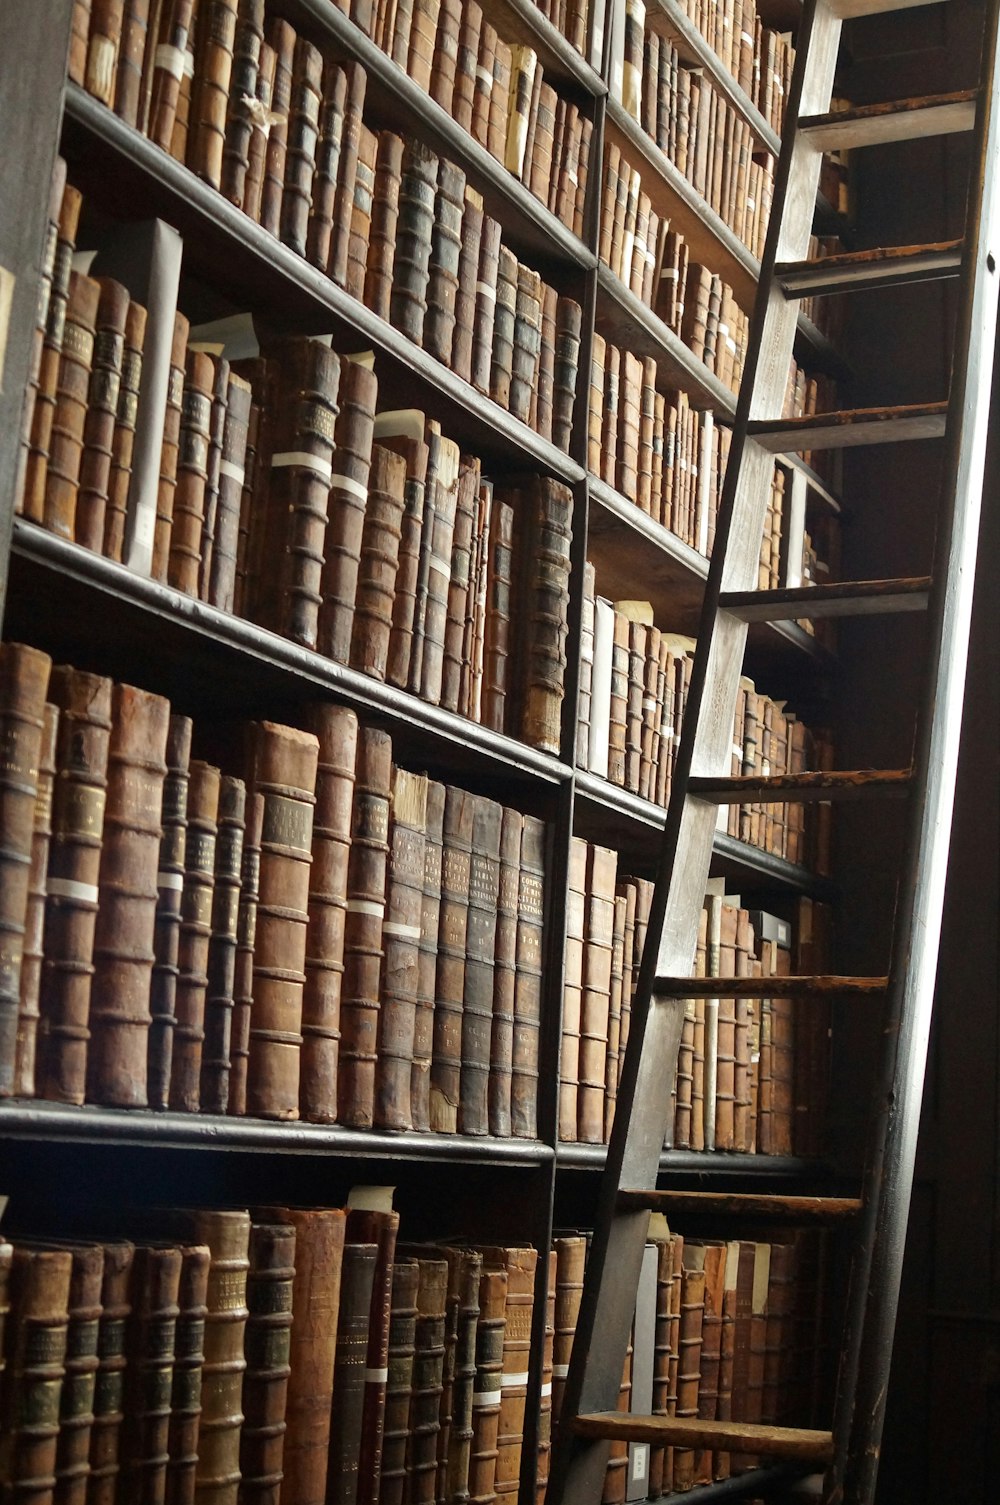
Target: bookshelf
98,614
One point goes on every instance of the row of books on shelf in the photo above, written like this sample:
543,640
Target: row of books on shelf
273,121
324,935
752,1074
281,1353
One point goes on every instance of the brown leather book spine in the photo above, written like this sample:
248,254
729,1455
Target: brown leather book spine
503,327
303,138
399,1382
544,391
483,90
76,1405
152,1328
411,265
348,498
84,702
170,451
423,28
430,911
37,459
99,421
569,1055
539,161
711,1351
76,67
240,125
123,437
221,576
427,1383
106,18
131,52
267,1346
360,210
185,1388
470,26
520,1265
416,454
34,919
213,473
567,362
498,616
246,932
253,183
465,1272
366,894
445,60
324,185
281,38
571,1258
401,946
528,980
380,1229
195,936
543,610
527,342
486,300
347,168
336,728
109,1384
661,1354
378,563
69,416
431,607
285,773
486,1399
501,104
544,1439
463,338
456,665
446,1065
385,219
221,970
188,512
166,930
504,972
57,190
182,114
171,46
36,1360
215,37
446,249
596,992
227,1235
357,1277
480,950
123,937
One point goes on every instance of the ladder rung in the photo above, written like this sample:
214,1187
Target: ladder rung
846,598
894,120
789,788
850,427
743,1204
765,987
796,1443
869,269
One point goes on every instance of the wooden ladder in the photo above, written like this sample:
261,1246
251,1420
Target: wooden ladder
849,1450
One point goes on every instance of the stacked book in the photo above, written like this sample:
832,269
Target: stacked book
323,935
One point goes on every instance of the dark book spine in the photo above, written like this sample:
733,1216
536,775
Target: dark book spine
477,1011
380,1229
470,1263
166,489
281,38
401,943
385,219
486,300
567,363
497,628
268,1339
427,1385
488,1387
213,473
68,419
503,327
240,126
468,274
102,406
378,563
152,1333
411,266
253,183
457,656
542,610
469,31
404,604
168,69
36,1365
123,440
450,981
43,411
34,916
303,138
217,1473
348,498
185,1386
528,980
195,936
129,102
504,975
430,914
527,342
246,933
347,168
109,1384
187,516
360,210
324,185
221,583
356,1283
76,1406
57,193
399,1383
221,970
446,248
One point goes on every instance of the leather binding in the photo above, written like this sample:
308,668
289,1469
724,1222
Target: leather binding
595,411
219,581
380,1229
443,68
170,451
319,1246
745,1024
457,661
525,81
486,298
500,100
411,266
497,630
188,516
619,700
281,38
568,326
123,437
380,265
37,459
182,114
267,1347
213,473
541,606
284,771
253,183
711,1350
356,1283
528,980
109,1381
336,728
563,136
446,248
470,25
423,29
246,931
627,477
401,942
366,894
468,272
446,1065
123,938
324,184
76,1401
240,125
215,37
503,327
483,90
615,991
129,72
166,930
486,1399
378,563
34,918
569,1056
430,616
778,1397
347,168
151,1335
615,1480
195,936
520,1264
428,1372
571,1258
99,422
504,971
609,428
416,453
725,1056
106,17
430,914
84,702
586,671
76,67
401,23
348,498
227,1235
185,1388
221,969
543,392
360,210
544,1444
662,1349
399,1383
477,1010
299,490
446,1417
57,191
72,387
540,163
303,137
36,1358
464,1274
471,698
527,342
362,13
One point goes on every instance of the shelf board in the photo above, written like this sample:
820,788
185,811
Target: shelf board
205,648
705,1165
227,248
522,21
667,19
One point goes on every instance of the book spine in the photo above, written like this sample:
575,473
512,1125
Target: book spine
520,1265
504,974
360,209
36,1364
443,67
40,435
263,98
470,26
486,299
456,661
430,913
544,609
381,1229
378,563
267,1346
246,934
596,993
195,935
357,1277
215,38
399,1381
567,361
217,1475
324,185
216,1058
247,42
34,917
109,1382
130,103
166,488
404,604
171,46
428,1371
76,66
69,416
347,170
544,1443
106,19
57,192
348,498
411,266
150,1344
446,248
221,577
380,264
303,138
527,342
446,1065
99,422
401,943
528,980
281,39
469,1274
76,1405
480,951
187,518
185,1388
488,1391
463,339
503,327
498,617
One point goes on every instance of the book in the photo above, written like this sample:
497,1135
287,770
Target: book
109,1380
598,937
215,35
380,263
324,184
399,1381
167,921
446,1066
34,917
403,432
427,1379
267,1349
76,1402
221,965
445,253
280,38
195,935
240,125
302,140
151,1335
378,1226
356,1282
519,1264
486,1399
378,563
185,1385
504,975
528,979
348,496
70,412
411,265
401,930
102,405
227,1235
480,952
246,934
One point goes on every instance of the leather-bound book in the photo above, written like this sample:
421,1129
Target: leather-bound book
336,728
171,45
596,992
615,1013
431,607
170,451
246,933
220,580
76,1403
76,67
569,1055
360,210
319,1246
503,327
480,950
123,437
457,655
347,167
427,1382
398,25
619,699
528,980
267,1348
129,101
520,1264
445,61
123,937
324,184
385,218
84,702
544,1453
36,463
177,145
166,930
213,472
281,38
714,1260
423,29
446,247
253,183
227,1235
501,101
34,918
540,161
356,1282
149,1347
527,341
188,512
401,945
407,439
446,1065
486,1397
189,1361
544,391
504,971
352,459
215,36
567,362
195,936
497,630
221,970
102,405
57,190
284,771
303,137
470,26
380,1228
399,1383
483,91
524,72
468,272
378,563
109,1383
571,1258
430,913
36,1358
411,264
464,1273
366,894
486,298
106,17
543,608
69,416
240,125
